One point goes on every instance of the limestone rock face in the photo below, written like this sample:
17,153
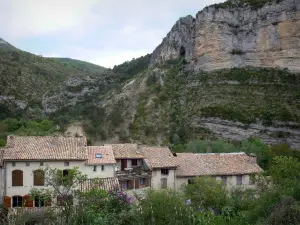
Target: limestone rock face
236,37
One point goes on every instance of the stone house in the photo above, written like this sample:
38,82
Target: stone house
131,168
162,164
24,156
234,169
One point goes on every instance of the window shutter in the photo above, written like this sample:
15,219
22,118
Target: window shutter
164,183
38,178
147,183
7,201
28,201
137,183
17,178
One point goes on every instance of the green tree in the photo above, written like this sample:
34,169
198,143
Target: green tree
206,193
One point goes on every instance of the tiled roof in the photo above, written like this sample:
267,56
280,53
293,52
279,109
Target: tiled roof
158,157
1,156
107,156
45,148
188,165
109,183
227,164
127,151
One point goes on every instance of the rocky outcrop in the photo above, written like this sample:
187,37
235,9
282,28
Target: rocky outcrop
279,133
236,37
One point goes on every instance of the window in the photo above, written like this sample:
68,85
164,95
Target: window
66,163
27,163
134,162
164,171
239,180
41,163
224,179
17,201
17,177
190,181
143,181
65,173
102,167
98,155
39,202
38,178
95,168
164,183
13,163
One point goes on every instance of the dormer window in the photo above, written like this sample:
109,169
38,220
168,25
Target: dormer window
98,156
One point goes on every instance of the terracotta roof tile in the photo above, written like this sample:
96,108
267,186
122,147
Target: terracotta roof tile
108,183
127,151
227,164
188,165
158,157
107,156
45,148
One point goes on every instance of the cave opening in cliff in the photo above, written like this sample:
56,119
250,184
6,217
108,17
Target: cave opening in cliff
182,52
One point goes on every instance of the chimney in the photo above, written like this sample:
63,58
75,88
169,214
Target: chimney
253,158
10,142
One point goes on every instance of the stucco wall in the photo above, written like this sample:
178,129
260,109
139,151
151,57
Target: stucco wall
109,171
156,179
231,182
28,174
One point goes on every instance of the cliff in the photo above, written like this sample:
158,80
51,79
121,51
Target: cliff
228,35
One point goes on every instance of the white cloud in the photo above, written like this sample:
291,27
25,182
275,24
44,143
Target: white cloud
106,32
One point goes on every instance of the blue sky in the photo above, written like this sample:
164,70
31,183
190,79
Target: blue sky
104,32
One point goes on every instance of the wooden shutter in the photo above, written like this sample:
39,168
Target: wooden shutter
134,162
28,201
38,178
7,201
164,183
147,182
17,177
137,184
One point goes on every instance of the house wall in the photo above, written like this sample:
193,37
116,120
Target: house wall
231,182
28,174
109,171
129,163
156,179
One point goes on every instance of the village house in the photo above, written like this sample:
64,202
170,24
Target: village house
161,162
131,169
234,169
100,163
121,166
24,156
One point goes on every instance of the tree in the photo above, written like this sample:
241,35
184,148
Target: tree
61,188
206,193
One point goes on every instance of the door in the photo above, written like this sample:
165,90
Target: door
164,183
123,164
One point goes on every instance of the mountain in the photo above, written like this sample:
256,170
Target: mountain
230,73
257,33
5,45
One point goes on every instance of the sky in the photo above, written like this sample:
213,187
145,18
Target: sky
104,32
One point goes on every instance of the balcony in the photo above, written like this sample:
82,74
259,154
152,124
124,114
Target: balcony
133,172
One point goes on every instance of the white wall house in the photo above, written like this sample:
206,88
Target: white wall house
23,156
163,166
234,169
101,162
